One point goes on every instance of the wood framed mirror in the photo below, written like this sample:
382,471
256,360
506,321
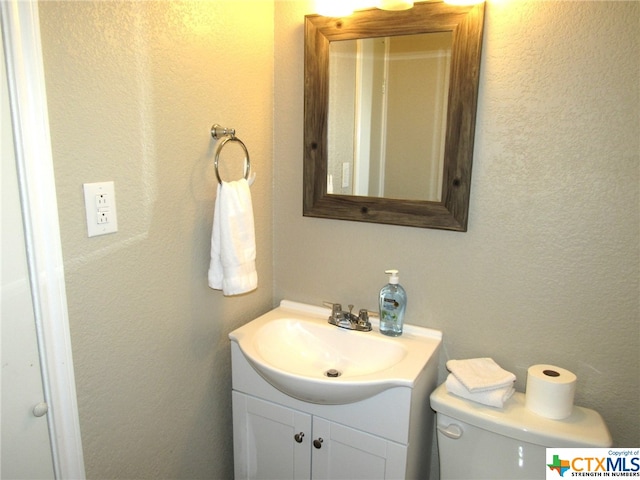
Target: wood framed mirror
329,197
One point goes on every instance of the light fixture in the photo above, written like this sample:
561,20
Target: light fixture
334,8
342,8
395,5
463,3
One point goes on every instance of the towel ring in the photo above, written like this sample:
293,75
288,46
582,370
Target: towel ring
223,141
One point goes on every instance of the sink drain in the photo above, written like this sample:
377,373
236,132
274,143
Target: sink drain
332,373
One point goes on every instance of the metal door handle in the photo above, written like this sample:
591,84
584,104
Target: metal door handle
40,409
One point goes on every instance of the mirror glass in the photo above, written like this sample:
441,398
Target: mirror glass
389,114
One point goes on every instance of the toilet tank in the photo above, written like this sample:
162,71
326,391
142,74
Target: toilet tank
478,442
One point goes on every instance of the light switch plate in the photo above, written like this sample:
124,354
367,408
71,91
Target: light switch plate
346,174
100,206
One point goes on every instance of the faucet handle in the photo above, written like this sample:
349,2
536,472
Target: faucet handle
337,315
363,320
335,307
368,313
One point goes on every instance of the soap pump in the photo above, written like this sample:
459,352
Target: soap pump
392,302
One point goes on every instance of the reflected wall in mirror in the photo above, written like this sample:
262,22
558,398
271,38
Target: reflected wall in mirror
387,115
390,104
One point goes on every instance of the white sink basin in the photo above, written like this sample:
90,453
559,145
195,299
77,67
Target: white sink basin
293,347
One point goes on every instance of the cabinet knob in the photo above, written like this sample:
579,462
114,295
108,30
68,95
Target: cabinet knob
40,409
318,443
298,437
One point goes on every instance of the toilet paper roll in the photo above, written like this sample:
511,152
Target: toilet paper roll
550,391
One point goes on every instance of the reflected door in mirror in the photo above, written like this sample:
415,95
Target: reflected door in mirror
387,116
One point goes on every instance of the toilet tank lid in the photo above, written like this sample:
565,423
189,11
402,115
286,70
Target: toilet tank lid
583,428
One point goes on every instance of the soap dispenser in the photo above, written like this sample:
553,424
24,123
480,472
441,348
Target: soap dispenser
393,302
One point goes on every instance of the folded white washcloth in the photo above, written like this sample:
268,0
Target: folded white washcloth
233,243
480,374
493,398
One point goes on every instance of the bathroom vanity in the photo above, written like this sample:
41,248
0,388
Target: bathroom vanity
291,420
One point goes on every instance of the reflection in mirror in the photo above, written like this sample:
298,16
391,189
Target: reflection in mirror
388,137
387,115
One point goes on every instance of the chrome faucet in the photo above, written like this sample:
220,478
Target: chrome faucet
348,320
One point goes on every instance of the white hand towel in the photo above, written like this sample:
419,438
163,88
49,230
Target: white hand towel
480,374
493,398
233,244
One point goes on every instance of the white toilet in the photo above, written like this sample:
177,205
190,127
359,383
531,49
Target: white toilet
476,441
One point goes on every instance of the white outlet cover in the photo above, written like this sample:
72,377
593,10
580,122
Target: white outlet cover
94,210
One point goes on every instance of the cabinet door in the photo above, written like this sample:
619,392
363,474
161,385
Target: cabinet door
340,452
267,442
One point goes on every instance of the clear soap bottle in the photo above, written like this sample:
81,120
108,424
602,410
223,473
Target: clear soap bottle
393,302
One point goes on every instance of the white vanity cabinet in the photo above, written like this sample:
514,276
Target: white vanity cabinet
293,418
278,442
387,436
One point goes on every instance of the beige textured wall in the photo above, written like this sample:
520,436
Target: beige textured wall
548,271
133,88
